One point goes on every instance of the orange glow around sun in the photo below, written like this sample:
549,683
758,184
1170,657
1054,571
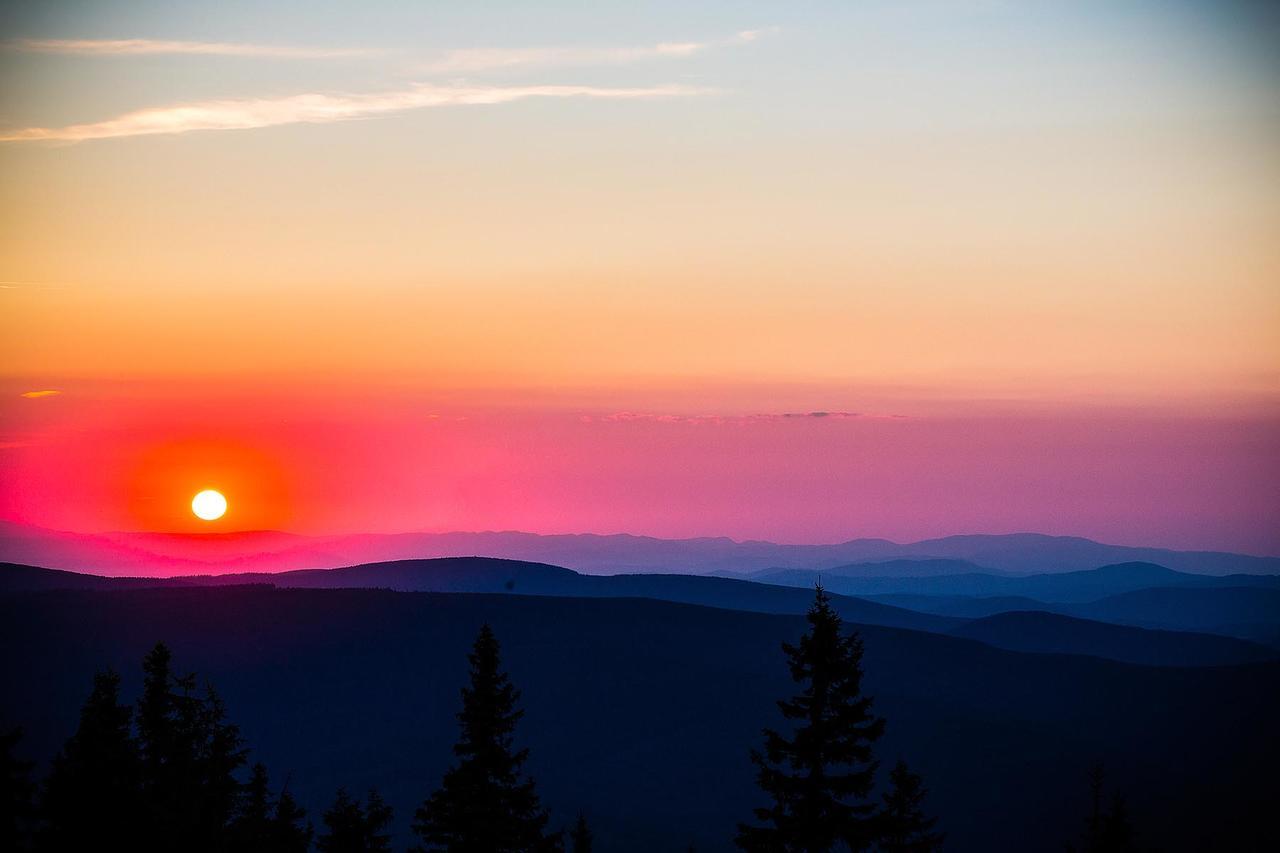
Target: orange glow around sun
159,483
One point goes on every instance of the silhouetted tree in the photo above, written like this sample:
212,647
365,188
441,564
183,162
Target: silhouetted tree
351,828
92,796
289,832
581,836
16,809
267,824
249,830
1106,831
485,803
820,777
190,754
904,827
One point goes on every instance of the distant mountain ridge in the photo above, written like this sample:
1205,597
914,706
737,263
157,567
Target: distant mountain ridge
491,575
271,551
1050,628
1051,633
1062,587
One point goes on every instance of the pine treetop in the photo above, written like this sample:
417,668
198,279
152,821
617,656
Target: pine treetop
820,776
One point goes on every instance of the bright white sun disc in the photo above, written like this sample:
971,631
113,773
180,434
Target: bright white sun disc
209,505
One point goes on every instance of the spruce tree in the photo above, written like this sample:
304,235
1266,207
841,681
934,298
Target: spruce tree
16,808
289,833
1117,832
904,827
91,797
190,755
485,803
581,836
352,828
821,776
250,829
1106,831
267,824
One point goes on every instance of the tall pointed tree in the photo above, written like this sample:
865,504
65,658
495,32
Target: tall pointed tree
820,777
581,837
16,808
1105,831
486,804
290,833
352,828
265,823
190,754
91,797
904,826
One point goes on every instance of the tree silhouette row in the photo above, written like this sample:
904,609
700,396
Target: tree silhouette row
172,773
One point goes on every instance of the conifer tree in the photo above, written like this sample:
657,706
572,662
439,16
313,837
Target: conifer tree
1106,831
16,808
250,829
485,803
821,776
92,797
190,754
289,833
904,827
352,828
267,824
581,836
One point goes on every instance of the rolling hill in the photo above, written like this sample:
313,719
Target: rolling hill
485,574
640,713
1064,587
1050,633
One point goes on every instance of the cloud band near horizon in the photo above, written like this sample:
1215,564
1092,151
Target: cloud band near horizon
317,108
157,47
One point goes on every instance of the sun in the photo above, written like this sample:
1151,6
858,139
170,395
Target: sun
209,505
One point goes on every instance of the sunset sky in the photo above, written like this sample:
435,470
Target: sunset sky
803,272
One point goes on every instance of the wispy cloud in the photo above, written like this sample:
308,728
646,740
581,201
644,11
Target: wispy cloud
36,395
146,47
721,420
321,108
471,60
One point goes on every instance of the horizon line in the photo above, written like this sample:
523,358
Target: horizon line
190,534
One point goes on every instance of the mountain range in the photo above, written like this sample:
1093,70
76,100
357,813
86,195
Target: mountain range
1218,633
182,554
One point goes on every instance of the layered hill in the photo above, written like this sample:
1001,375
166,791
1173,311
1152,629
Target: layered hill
1050,633
487,575
1065,587
641,713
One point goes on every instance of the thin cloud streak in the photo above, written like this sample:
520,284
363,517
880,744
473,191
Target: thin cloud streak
154,47
733,420
492,59
471,60
322,108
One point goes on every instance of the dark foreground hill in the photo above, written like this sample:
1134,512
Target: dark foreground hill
641,713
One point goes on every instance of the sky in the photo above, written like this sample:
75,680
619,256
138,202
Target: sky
800,272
